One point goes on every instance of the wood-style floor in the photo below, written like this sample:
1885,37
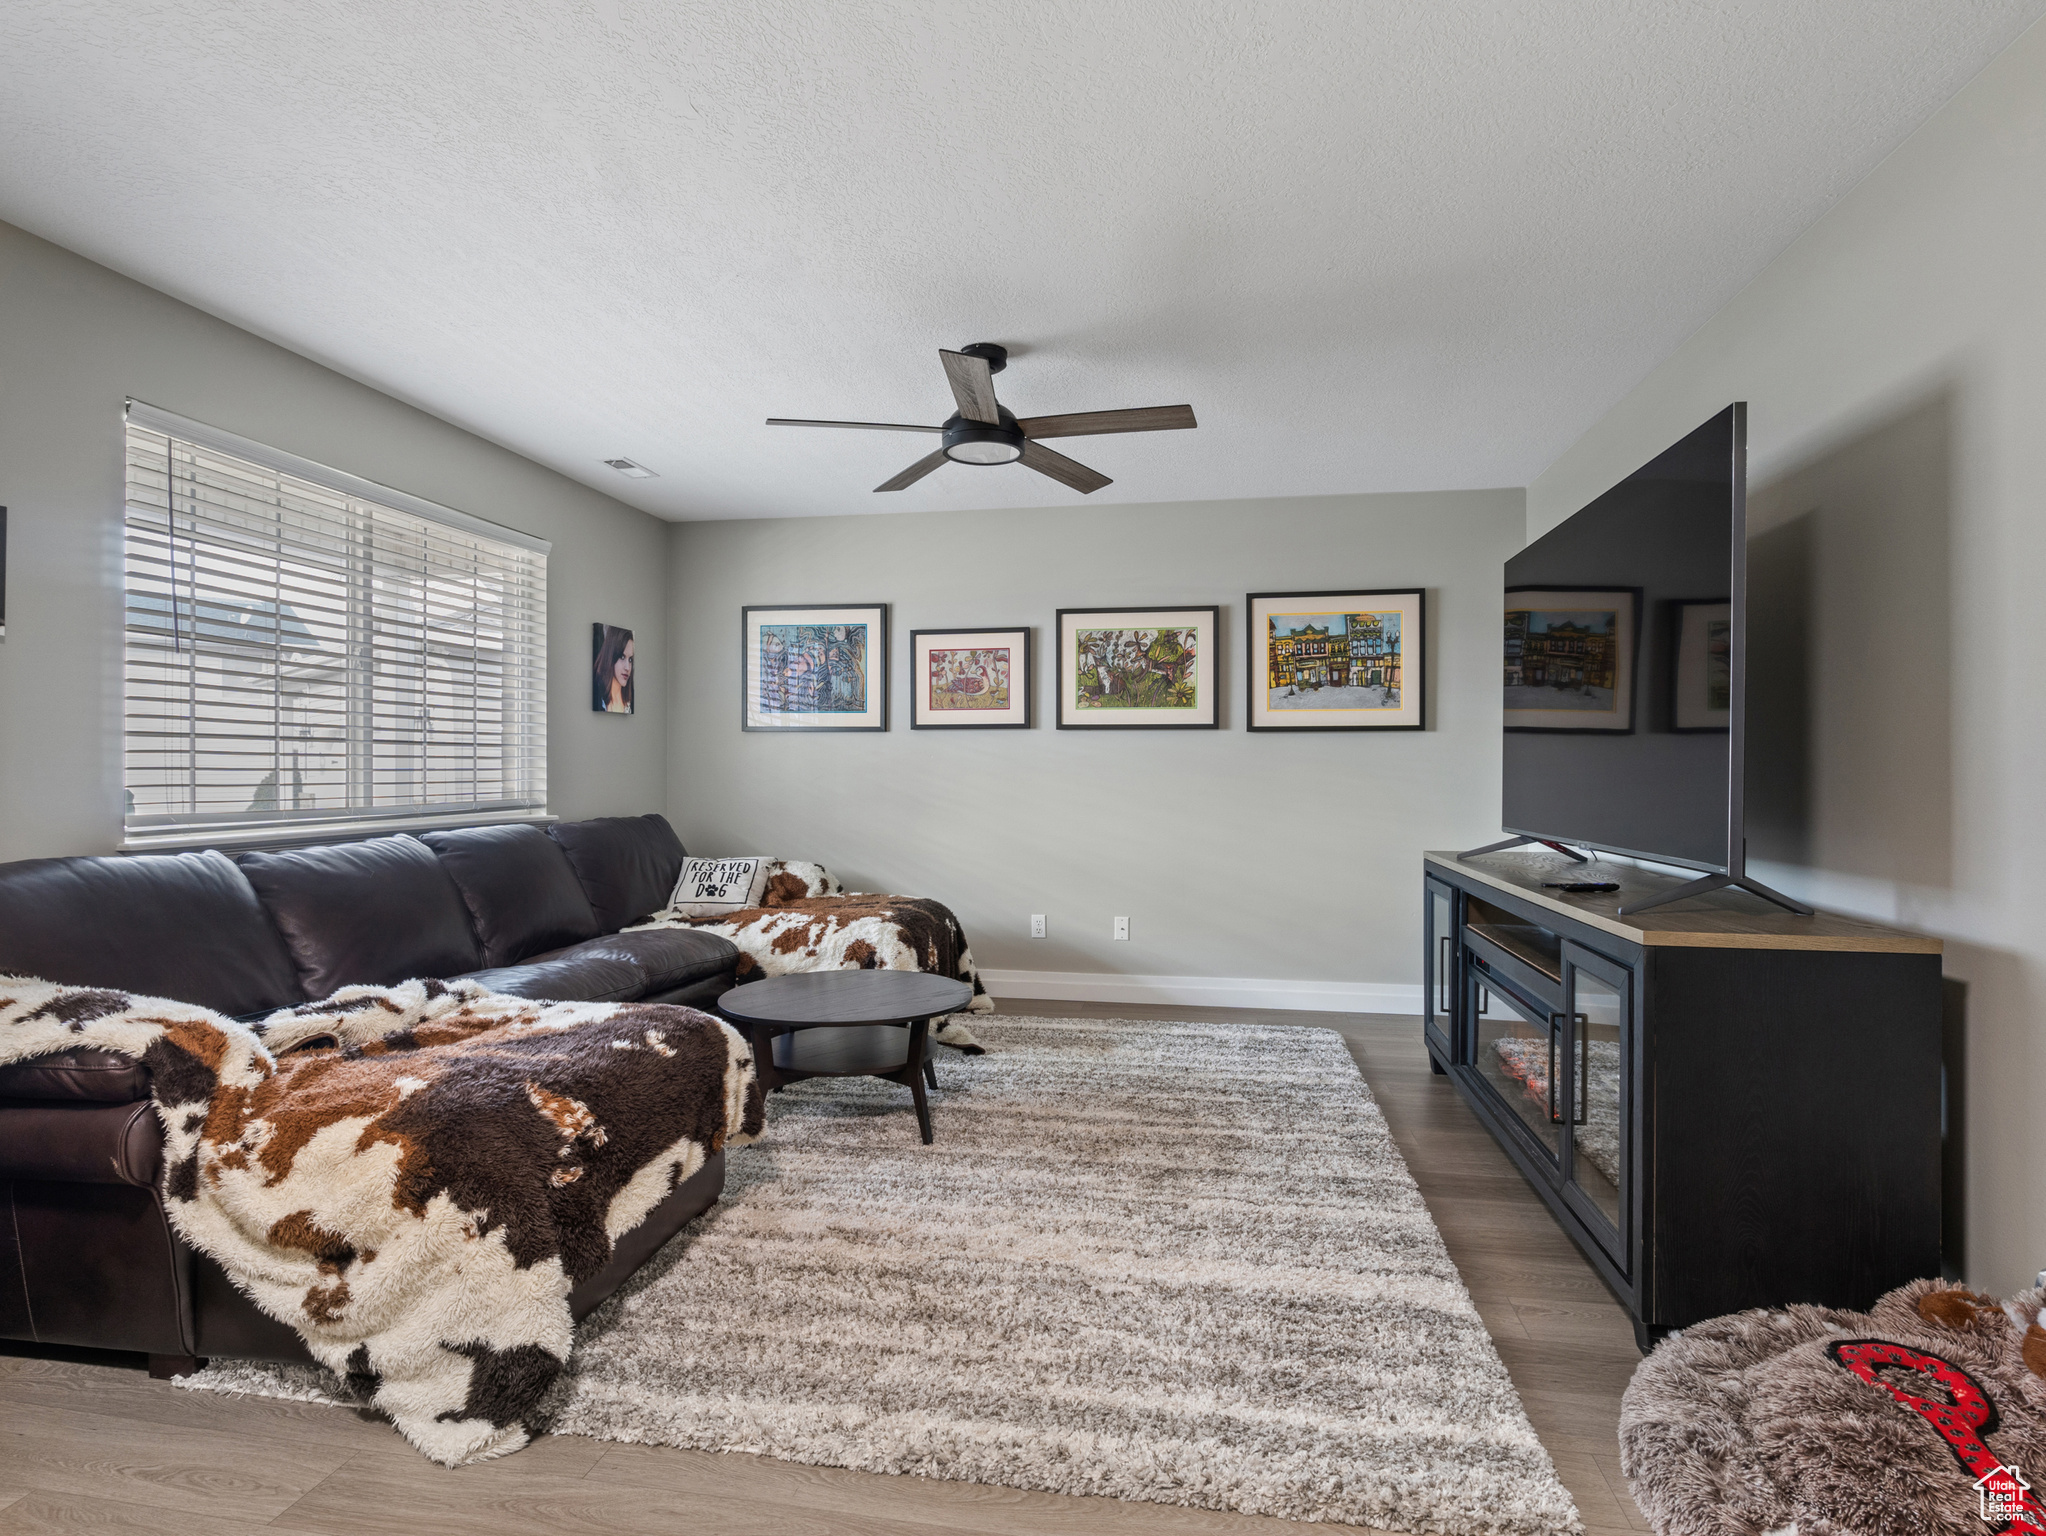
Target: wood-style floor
89,1443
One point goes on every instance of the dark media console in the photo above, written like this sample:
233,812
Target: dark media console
1724,1105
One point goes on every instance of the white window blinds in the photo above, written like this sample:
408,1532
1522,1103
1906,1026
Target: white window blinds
309,652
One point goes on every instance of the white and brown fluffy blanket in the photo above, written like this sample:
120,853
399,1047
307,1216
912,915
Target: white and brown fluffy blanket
807,921
415,1177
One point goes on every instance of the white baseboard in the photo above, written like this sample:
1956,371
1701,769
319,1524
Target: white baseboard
1205,991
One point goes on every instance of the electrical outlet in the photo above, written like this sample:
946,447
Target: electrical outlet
1122,927
1037,925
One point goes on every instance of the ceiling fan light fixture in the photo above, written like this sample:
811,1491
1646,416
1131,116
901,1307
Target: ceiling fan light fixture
983,445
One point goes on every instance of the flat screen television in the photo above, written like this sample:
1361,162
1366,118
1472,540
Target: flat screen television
1625,668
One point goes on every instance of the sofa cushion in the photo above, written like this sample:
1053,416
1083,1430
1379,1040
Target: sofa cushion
98,1077
180,925
569,978
373,913
82,1144
520,889
665,958
628,865
702,995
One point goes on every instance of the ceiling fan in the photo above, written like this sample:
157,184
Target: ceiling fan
983,431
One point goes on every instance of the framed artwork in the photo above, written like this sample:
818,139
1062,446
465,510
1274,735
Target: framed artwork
1701,676
3,573
1138,668
969,679
820,667
611,664
1570,658
1334,661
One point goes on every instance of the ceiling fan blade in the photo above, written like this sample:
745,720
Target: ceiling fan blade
914,473
1145,418
973,386
1064,470
864,426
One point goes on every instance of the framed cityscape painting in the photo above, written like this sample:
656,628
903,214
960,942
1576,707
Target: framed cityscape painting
1138,668
1335,661
1570,658
1701,678
815,668
969,679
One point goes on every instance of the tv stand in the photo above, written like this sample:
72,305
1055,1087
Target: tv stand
1515,842
1707,883
1724,1105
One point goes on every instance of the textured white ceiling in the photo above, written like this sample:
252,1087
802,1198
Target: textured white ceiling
1378,245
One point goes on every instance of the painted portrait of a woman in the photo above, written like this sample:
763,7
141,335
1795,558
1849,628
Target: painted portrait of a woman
612,680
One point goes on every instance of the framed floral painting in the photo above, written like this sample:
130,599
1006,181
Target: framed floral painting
970,679
1138,668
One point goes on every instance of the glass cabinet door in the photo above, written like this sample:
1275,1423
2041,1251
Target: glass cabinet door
1438,983
1599,1130
1516,1048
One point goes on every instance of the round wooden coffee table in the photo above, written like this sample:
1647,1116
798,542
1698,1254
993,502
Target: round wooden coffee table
846,1024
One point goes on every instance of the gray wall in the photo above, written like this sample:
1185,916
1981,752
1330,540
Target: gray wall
75,341
1232,854
1895,361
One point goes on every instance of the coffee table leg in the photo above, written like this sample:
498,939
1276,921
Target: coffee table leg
930,1072
763,1058
917,1063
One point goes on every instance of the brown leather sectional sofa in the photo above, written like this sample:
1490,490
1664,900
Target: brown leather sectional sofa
87,1255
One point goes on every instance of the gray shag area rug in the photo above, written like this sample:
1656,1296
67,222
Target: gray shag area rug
1182,1263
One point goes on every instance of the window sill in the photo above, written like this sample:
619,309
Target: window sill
185,840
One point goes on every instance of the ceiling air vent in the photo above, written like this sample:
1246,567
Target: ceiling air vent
631,469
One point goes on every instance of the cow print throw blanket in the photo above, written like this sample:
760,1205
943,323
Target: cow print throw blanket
415,1177
807,921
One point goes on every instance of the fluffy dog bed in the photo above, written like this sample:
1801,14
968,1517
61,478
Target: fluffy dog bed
1843,1423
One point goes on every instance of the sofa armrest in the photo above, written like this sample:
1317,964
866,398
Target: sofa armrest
77,1076
82,1144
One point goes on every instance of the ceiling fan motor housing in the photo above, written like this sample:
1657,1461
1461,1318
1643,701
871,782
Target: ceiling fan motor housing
973,442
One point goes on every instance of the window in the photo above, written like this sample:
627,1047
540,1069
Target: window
310,653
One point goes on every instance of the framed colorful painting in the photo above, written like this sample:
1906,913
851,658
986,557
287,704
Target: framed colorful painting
822,667
1570,658
970,679
1701,678
1138,668
1335,661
